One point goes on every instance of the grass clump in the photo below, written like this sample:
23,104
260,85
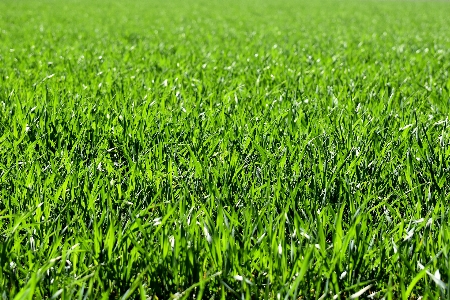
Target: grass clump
248,149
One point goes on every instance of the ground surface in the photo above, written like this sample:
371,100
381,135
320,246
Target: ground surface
256,149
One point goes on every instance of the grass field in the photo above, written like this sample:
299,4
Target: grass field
224,149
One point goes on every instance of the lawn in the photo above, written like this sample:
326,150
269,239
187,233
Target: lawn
245,149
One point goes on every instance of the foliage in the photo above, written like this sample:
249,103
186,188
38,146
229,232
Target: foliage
248,149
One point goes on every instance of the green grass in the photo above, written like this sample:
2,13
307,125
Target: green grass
240,149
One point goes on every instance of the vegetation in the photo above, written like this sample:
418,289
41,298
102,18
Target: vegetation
229,149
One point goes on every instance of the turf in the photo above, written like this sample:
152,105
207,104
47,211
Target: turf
224,149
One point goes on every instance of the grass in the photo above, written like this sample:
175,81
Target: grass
202,149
